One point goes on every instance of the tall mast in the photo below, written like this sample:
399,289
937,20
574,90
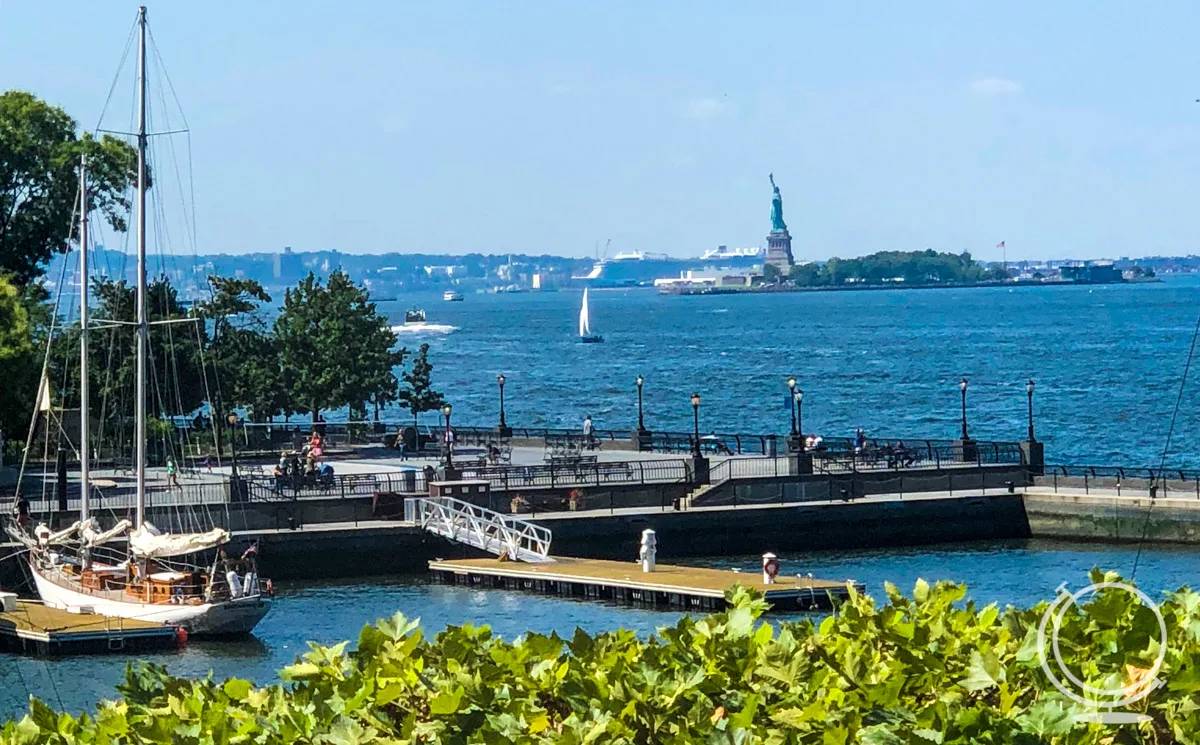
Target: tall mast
84,402
139,413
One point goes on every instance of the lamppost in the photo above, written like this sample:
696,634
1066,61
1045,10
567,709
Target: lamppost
962,386
798,398
1029,395
641,417
448,438
696,422
235,484
504,430
791,384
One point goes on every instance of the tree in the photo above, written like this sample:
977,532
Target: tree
18,360
335,349
418,395
39,158
243,351
771,274
174,370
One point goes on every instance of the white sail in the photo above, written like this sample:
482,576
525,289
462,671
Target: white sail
585,326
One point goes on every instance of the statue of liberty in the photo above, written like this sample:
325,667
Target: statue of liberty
777,223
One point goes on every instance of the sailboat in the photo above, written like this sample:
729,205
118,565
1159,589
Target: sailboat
151,580
585,324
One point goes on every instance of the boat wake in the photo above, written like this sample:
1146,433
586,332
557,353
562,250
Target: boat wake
424,328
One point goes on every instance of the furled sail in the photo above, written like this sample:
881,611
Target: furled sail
91,534
146,543
46,538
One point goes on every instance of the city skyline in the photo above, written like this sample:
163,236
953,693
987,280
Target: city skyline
463,128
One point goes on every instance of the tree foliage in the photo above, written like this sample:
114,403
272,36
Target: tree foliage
243,350
908,267
18,359
39,157
418,395
929,669
335,348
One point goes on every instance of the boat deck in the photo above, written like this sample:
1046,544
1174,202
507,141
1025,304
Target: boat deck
669,587
35,628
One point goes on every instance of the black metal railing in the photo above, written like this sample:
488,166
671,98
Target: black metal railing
1172,483
939,456
597,473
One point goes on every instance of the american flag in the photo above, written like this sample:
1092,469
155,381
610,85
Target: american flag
1000,244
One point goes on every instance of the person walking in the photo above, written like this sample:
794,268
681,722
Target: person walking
172,474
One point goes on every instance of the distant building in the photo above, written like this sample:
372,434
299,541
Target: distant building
1105,273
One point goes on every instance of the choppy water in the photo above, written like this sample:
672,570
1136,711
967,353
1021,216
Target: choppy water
1106,359
1016,572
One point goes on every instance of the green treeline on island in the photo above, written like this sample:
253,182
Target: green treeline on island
927,669
927,267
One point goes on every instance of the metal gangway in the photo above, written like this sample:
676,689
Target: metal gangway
487,530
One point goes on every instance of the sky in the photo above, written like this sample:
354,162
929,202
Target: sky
1066,130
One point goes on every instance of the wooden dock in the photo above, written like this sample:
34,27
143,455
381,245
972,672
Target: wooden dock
34,628
668,587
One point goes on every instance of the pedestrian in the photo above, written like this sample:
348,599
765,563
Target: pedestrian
588,428
208,463
860,441
172,476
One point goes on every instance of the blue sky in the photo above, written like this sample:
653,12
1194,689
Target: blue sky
1064,129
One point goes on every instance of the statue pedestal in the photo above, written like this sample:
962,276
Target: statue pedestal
779,250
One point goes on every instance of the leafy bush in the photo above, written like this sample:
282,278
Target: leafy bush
926,669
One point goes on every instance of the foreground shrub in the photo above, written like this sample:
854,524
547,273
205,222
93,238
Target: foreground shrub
927,669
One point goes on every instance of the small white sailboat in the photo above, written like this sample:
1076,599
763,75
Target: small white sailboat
585,323
71,568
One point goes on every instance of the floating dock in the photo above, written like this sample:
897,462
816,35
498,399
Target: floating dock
667,587
33,628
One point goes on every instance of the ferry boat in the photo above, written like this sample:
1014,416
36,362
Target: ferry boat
414,317
452,296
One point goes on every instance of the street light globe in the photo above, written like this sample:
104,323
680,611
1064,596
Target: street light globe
232,419
799,395
640,380
962,386
1029,387
695,400
500,379
791,384
447,409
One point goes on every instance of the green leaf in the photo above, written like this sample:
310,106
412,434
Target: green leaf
1047,718
921,591
446,702
984,672
237,689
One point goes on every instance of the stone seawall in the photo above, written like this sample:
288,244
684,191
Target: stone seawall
1112,519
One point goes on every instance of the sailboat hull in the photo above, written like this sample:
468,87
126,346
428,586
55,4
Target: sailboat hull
591,339
225,618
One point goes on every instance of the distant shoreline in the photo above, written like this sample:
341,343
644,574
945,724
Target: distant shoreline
766,289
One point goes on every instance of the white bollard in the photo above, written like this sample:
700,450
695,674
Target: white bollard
648,551
770,566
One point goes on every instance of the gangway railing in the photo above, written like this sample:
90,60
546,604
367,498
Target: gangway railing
484,529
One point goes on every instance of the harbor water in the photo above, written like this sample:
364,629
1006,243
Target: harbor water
1107,361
